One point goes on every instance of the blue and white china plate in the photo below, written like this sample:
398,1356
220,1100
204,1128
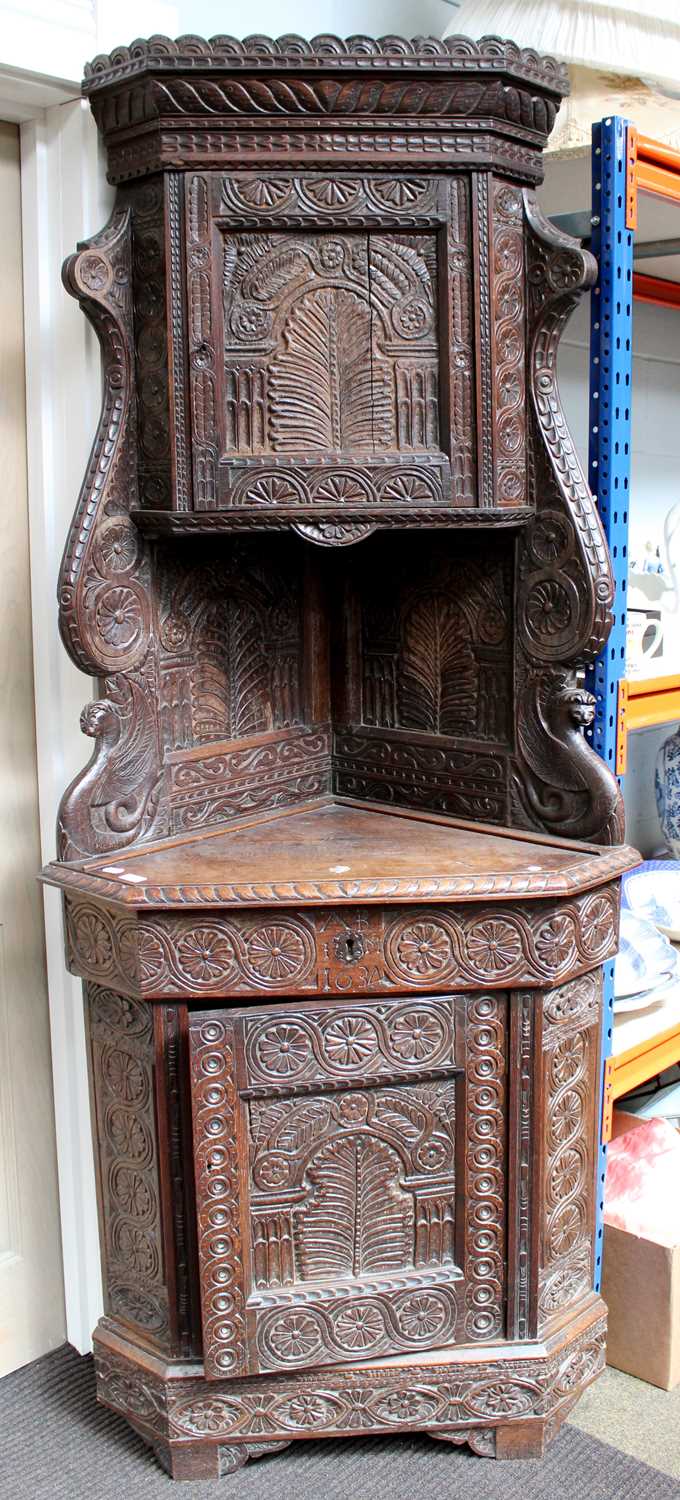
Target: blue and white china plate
645,956
652,891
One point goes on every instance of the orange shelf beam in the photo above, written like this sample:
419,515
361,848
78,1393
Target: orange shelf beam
656,289
638,1065
657,169
651,700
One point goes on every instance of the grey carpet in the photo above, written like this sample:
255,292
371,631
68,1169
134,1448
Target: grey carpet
56,1443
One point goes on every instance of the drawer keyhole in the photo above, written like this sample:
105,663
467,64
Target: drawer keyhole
349,947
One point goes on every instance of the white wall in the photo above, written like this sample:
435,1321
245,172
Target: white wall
342,17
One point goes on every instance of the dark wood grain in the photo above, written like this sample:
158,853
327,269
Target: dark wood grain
342,870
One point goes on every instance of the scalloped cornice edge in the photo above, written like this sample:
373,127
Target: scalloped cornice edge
455,53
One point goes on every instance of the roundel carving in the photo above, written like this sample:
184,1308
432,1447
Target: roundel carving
494,947
278,953
421,948
598,926
283,1049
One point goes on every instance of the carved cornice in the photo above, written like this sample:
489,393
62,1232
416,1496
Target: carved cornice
454,54
162,103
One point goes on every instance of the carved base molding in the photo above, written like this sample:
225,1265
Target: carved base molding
506,1404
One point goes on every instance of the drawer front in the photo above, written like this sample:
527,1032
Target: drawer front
350,1179
342,950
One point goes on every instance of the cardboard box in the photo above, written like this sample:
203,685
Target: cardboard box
641,1286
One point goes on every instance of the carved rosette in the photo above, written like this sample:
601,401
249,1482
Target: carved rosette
565,587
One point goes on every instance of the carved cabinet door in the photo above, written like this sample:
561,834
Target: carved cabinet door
315,339
350,1179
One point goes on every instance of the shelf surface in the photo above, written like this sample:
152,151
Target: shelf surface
341,851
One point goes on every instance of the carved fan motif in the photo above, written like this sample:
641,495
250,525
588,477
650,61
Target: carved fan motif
230,684
437,684
321,384
356,1219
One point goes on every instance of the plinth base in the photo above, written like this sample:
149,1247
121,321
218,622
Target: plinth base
506,1401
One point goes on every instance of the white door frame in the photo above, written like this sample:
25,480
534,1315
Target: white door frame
65,198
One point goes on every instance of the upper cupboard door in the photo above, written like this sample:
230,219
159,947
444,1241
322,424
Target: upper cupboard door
350,1179
344,339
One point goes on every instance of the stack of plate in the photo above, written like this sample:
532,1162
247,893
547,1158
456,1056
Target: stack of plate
646,963
652,890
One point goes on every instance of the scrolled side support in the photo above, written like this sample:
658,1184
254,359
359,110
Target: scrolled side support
104,582
565,587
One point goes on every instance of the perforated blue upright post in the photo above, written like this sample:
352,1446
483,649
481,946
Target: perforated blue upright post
609,468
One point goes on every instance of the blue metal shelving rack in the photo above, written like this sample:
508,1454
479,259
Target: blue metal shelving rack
609,465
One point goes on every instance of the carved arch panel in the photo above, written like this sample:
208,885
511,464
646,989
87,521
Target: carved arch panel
330,345
371,1141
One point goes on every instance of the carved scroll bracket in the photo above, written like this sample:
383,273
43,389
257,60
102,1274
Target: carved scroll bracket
104,584
565,587
566,583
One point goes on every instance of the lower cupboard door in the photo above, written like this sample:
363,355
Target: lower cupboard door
350,1164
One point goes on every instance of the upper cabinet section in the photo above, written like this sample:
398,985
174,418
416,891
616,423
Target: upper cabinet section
330,280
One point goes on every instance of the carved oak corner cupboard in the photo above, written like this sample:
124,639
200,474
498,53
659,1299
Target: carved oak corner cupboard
342,870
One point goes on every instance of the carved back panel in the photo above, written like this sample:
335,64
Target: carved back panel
425,717
368,1142
231,636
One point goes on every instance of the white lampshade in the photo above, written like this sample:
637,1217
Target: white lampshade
623,59
637,37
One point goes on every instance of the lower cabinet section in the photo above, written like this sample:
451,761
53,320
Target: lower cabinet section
346,1215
